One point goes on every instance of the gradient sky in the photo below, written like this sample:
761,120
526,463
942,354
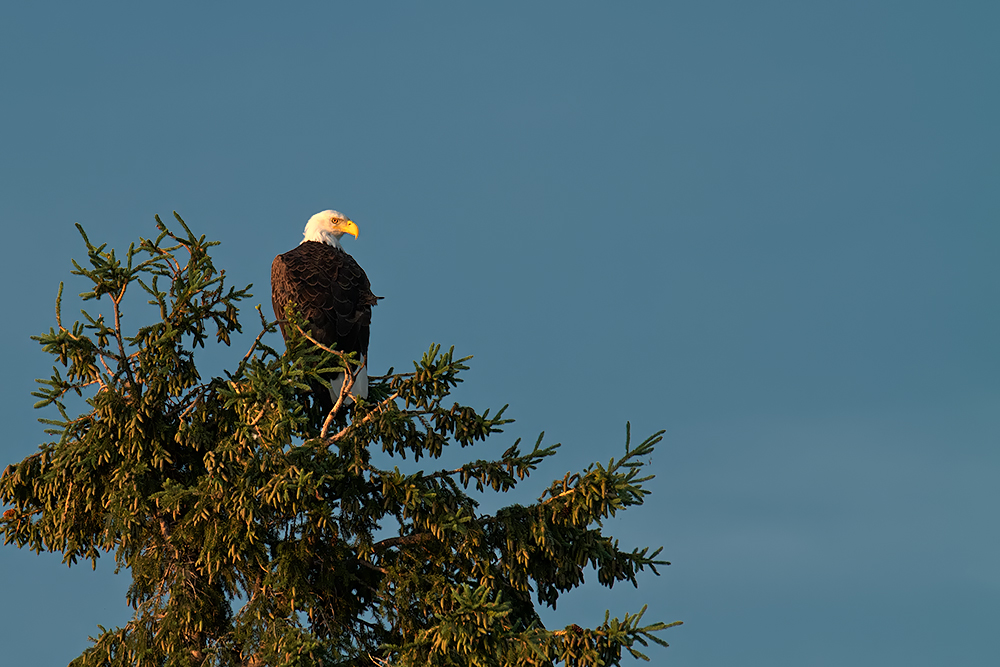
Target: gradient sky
769,228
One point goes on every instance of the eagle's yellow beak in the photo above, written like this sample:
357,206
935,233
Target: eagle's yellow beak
349,227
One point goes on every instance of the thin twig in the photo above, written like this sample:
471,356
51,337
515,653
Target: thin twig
383,377
105,364
252,348
320,345
401,540
176,267
371,566
371,415
345,388
572,489
121,345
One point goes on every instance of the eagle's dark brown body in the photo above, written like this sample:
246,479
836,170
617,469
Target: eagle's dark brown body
331,291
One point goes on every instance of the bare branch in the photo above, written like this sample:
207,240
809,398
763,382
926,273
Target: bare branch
252,348
370,566
371,415
345,388
403,540
342,355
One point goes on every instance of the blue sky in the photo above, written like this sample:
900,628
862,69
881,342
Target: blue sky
769,228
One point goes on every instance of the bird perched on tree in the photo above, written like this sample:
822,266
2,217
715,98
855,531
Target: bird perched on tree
331,292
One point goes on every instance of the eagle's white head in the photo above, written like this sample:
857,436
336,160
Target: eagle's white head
328,226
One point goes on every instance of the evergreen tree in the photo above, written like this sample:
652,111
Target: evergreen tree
258,532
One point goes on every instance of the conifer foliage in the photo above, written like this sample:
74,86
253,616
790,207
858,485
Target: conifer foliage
258,532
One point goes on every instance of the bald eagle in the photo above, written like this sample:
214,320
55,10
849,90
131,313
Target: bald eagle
332,292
